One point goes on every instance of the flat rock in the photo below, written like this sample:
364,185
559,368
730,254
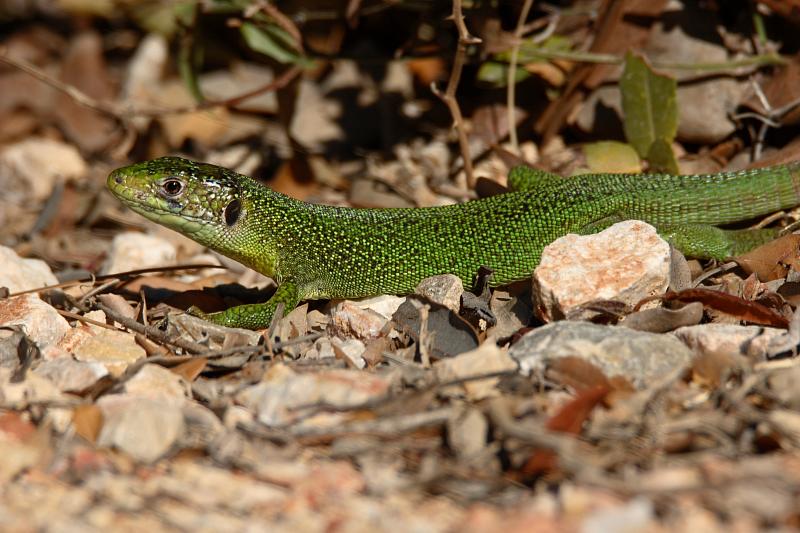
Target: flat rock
350,320
485,359
143,428
279,398
625,262
158,383
72,376
133,250
728,339
40,321
350,350
640,357
113,349
21,274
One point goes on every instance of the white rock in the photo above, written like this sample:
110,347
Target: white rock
132,250
158,383
625,262
280,398
488,358
70,375
445,289
349,320
351,350
728,339
32,167
143,428
40,321
22,274
33,389
384,305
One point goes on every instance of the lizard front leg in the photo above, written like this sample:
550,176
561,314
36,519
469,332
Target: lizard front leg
254,316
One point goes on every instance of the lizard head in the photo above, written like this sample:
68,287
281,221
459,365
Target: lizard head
207,203
201,201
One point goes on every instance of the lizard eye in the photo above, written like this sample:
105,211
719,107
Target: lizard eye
232,211
172,187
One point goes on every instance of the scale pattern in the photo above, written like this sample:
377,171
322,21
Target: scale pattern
336,252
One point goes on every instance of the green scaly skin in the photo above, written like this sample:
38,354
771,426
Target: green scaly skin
315,251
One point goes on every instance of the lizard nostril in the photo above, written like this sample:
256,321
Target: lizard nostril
118,179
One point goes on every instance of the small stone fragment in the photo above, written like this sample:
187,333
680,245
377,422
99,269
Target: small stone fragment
445,289
350,320
487,358
40,321
114,349
158,383
70,375
284,396
351,350
143,428
638,356
625,262
20,394
785,385
133,250
467,434
21,274
31,168
728,339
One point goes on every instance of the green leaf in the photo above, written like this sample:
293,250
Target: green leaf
271,41
649,104
190,59
661,157
496,73
612,157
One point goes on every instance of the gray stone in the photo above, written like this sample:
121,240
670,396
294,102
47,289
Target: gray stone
638,356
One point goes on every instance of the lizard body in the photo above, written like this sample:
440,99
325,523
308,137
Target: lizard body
315,251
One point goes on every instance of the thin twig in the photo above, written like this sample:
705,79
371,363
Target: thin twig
512,77
124,113
81,318
449,96
150,332
121,275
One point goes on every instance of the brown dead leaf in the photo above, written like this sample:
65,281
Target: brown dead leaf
84,68
577,373
745,310
191,368
427,69
569,419
294,178
88,420
772,260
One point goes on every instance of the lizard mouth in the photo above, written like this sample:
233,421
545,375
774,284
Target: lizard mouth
150,206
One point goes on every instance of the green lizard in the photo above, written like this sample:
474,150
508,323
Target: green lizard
315,251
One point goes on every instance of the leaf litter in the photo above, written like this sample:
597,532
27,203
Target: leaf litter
447,409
